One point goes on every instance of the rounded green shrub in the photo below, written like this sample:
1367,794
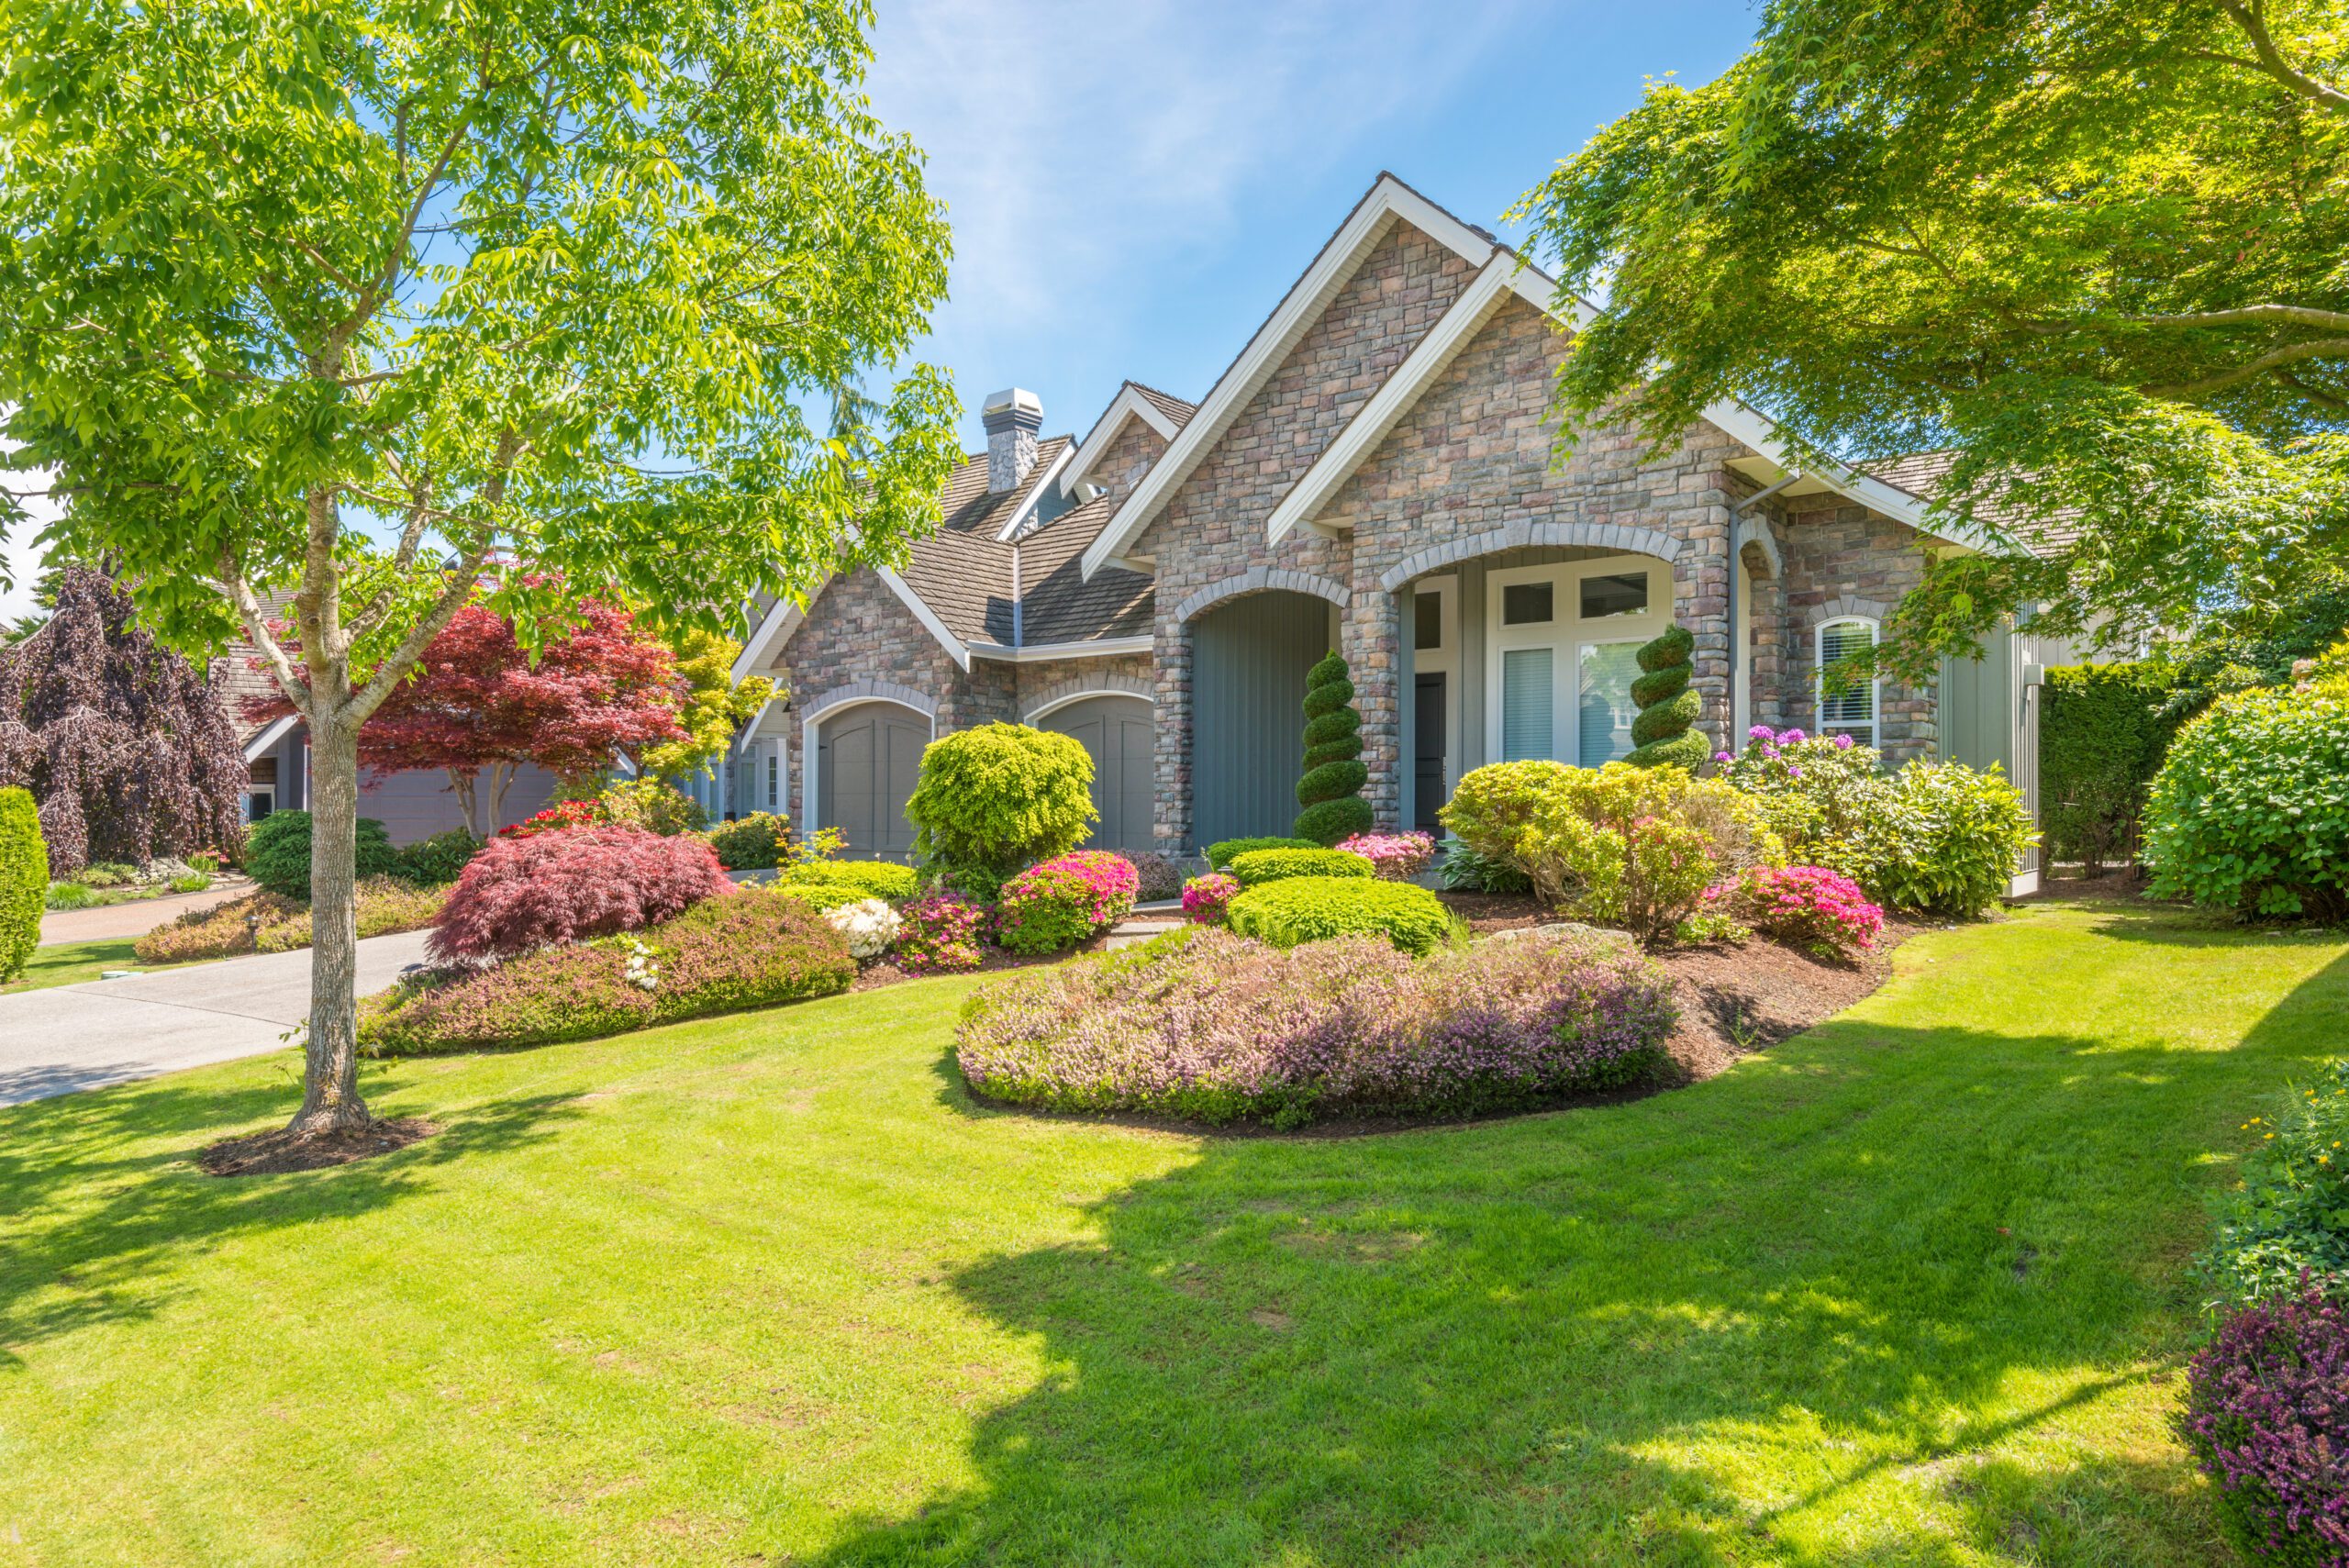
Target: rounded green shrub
1942,838
750,844
278,853
1331,791
872,879
1315,908
2250,811
1224,850
1260,866
24,880
824,895
1001,797
1669,706
1493,805
442,858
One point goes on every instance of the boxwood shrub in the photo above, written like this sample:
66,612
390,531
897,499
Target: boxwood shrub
1221,853
745,949
1206,1025
877,878
1316,909
2249,812
278,853
1259,866
1001,797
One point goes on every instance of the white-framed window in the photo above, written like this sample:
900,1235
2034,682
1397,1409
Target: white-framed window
258,803
1851,709
1562,643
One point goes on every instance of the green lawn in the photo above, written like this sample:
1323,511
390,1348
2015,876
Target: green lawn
767,1289
70,963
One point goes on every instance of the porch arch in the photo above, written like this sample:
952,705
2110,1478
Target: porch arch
1258,580
1618,537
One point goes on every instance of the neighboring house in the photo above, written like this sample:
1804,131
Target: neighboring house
1374,473
411,804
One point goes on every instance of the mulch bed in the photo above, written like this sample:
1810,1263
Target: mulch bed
1734,1001
278,1150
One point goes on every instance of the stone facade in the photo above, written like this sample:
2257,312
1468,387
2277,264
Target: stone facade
1127,458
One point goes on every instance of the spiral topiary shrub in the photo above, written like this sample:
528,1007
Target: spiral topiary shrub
1662,734
999,796
24,880
1331,790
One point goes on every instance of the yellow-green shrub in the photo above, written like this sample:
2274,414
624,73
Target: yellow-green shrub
1001,797
1258,866
1637,847
24,880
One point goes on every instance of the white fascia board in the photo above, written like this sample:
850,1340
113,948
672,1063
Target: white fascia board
1027,509
1128,404
767,639
270,736
1040,653
1757,429
1402,388
922,613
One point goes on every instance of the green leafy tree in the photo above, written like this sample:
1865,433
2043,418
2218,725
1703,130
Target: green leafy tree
378,304
1668,706
2093,245
1331,791
714,706
995,797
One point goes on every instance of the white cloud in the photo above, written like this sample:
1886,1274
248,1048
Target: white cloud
1072,142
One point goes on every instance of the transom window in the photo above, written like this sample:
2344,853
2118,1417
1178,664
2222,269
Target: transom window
1848,707
1528,603
1616,593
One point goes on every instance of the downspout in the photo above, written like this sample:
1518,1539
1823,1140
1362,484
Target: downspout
1737,659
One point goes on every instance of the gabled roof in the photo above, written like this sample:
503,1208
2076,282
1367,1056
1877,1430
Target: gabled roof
1501,273
1387,202
1162,411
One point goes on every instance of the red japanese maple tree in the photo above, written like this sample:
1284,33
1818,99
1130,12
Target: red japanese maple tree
479,710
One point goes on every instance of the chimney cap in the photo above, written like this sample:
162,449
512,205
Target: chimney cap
1014,403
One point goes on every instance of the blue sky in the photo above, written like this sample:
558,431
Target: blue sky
1132,186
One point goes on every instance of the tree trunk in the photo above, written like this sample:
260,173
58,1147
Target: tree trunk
500,776
330,1100
462,783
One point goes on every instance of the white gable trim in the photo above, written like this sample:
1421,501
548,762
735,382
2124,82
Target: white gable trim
1130,404
922,613
1504,277
1388,202
270,736
767,638
1757,430
1026,510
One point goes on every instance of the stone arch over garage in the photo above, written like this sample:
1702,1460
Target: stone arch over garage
869,691
1083,686
1259,580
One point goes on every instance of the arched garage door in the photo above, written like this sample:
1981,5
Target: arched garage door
1115,732
866,761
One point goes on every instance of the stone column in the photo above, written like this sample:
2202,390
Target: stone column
1700,590
1171,735
1370,643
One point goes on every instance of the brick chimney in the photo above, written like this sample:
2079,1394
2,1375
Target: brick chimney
1011,417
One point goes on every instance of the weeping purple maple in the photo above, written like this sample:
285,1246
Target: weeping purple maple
120,740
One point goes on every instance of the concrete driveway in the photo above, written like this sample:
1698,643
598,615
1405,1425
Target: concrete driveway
110,1032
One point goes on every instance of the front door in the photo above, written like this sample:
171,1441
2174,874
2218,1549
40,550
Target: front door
1427,750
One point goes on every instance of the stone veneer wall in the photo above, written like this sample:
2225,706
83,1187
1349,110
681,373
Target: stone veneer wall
1125,459
1842,559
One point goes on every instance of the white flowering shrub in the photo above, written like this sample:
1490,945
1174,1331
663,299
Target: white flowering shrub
643,969
870,926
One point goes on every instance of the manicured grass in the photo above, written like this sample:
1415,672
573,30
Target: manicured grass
1905,1290
70,963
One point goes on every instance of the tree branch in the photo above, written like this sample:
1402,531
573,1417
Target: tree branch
2322,349
435,622
240,593
2247,15
2264,314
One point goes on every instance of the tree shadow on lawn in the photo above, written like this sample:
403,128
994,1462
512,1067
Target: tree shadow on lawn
1779,1317
99,1190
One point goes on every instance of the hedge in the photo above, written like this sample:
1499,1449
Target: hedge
24,880
278,853
877,879
1220,852
2101,739
1315,908
1273,865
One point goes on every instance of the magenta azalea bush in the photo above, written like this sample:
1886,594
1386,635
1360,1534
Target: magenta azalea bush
1208,1026
1810,907
2266,1417
745,949
1064,901
1208,899
1397,857
569,885
941,935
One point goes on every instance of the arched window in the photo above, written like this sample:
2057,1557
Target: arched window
1851,709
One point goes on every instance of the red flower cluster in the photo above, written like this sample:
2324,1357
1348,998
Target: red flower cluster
526,893
562,814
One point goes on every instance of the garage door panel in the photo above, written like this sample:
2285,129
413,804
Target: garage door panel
1116,733
867,764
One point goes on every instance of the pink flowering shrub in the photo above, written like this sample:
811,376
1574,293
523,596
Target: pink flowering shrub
567,885
940,934
748,949
1208,899
1207,1025
1064,901
1810,907
1397,857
